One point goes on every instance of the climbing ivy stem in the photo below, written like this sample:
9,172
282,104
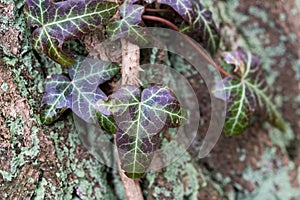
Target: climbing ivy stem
196,47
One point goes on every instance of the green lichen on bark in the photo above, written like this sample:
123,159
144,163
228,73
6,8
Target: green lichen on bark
182,178
38,162
267,29
50,162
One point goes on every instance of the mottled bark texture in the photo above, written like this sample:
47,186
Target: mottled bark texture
49,162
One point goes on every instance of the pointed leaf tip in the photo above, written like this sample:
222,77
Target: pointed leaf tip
140,115
80,93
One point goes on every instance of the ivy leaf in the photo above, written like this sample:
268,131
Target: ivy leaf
80,92
57,22
203,28
140,116
127,26
146,113
241,107
149,1
200,24
246,94
136,153
107,123
182,7
204,23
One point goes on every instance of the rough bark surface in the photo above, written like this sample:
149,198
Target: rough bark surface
49,162
130,63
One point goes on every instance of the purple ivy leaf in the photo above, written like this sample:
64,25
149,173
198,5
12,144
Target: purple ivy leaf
128,25
80,93
239,59
56,22
140,115
219,89
136,153
185,8
246,90
146,112
203,28
149,1
130,1
234,58
241,106
56,98
199,22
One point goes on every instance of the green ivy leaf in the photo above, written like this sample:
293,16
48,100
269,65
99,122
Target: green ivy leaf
146,113
128,25
140,116
245,93
241,106
107,123
203,28
136,153
57,22
80,93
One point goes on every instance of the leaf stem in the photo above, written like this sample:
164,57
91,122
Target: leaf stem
196,47
208,58
162,20
158,10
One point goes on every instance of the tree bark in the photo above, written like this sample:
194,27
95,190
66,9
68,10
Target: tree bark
49,162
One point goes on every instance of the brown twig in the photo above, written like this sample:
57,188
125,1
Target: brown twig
158,10
130,63
162,20
203,54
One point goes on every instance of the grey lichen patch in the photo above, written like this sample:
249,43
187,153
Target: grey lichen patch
260,28
81,172
181,179
296,67
4,87
21,187
272,180
19,143
34,165
16,49
10,36
282,140
259,13
119,188
19,140
228,12
13,31
39,192
9,41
